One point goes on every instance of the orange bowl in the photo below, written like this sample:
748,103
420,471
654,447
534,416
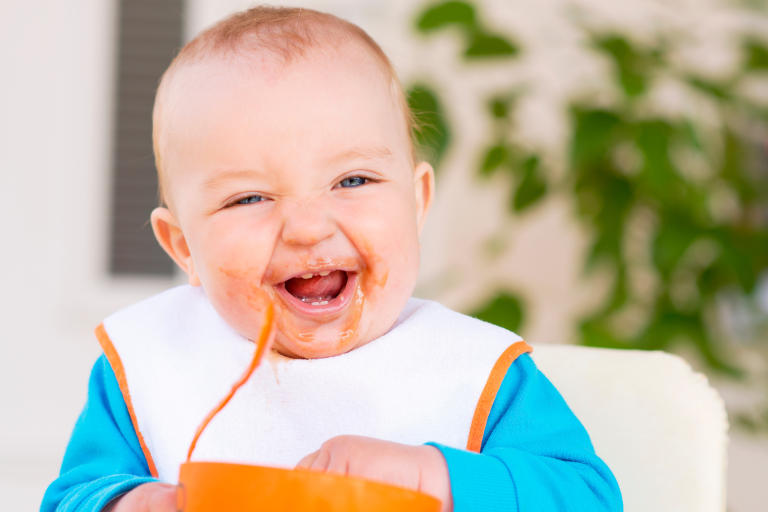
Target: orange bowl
216,486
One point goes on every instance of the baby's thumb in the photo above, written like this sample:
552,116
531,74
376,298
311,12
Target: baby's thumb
162,498
307,461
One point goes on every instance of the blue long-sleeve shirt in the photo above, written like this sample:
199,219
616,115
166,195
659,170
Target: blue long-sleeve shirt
535,453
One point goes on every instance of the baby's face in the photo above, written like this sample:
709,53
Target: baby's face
295,185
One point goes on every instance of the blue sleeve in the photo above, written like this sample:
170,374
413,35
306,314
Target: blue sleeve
104,458
535,454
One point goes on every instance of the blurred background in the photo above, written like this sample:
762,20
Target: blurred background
602,174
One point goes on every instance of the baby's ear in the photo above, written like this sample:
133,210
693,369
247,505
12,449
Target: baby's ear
171,239
424,185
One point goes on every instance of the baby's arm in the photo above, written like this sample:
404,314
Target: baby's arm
104,458
535,454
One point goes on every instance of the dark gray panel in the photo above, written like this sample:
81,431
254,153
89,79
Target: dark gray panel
150,35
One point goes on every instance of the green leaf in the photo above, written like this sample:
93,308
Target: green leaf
735,256
532,187
675,235
444,14
735,168
756,56
594,136
658,174
751,424
710,88
669,326
483,46
432,133
616,197
692,135
499,108
595,334
480,43
633,66
504,310
620,292
494,157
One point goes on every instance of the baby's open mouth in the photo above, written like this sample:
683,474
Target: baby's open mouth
319,288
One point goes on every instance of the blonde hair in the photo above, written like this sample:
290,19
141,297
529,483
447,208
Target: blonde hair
285,33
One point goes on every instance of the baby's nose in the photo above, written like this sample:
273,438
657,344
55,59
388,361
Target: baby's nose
307,225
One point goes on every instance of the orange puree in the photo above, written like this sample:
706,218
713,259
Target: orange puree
370,280
262,345
349,333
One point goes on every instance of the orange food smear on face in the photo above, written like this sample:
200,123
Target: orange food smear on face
309,342
381,283
372,281
348,334
350,329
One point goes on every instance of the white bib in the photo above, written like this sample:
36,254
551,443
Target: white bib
175,359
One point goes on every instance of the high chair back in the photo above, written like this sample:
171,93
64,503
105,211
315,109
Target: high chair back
660,427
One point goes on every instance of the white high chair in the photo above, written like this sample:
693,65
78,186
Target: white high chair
660,427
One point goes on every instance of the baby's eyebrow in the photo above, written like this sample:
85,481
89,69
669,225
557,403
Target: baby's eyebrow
366,152
220,177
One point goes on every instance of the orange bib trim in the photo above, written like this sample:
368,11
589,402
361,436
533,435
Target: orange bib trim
488,396
117,367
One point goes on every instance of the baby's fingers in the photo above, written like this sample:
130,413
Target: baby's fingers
317,461
307,461
322,460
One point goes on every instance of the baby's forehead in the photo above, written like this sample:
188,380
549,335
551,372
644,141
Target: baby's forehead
203,74
259,87
232,69
320,96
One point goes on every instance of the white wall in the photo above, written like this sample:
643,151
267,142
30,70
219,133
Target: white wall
55,105
55,130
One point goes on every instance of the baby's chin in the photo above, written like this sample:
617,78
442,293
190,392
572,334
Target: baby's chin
314,348
297,339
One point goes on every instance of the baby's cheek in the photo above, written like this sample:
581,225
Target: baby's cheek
390,279
239,300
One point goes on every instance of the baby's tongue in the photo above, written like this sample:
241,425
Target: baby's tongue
318,287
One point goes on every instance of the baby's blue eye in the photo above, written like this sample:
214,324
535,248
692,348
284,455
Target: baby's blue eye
354,181
251,199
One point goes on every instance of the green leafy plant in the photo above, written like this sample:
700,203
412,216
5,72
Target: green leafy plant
529,183
702,189
480,43
698,252
505,310
432,135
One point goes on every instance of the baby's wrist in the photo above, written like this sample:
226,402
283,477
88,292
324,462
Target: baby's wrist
148,497
435,479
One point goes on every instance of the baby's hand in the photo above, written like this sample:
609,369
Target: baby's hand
421,468
153,497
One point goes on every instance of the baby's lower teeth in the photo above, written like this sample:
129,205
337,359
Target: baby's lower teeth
317,301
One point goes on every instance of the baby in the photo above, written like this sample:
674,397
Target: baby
283,143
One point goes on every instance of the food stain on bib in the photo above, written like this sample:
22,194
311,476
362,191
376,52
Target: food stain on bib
278,363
